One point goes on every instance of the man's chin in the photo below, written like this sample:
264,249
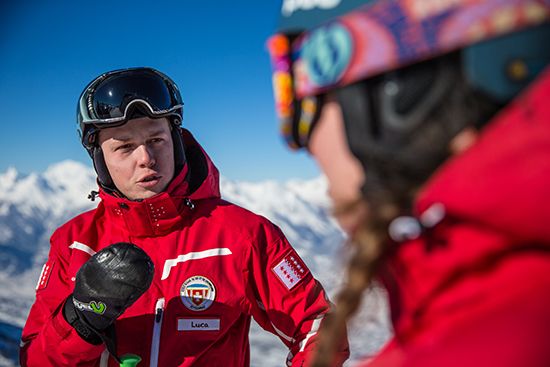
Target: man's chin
142,194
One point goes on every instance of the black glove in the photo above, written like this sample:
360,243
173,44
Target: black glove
105,286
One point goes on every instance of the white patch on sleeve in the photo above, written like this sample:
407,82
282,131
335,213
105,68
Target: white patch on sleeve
314,329
282,335
44,275
290,270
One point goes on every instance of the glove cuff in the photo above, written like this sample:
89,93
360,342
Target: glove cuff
73,317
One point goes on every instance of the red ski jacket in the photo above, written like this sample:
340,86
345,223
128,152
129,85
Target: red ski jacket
216,266
474,290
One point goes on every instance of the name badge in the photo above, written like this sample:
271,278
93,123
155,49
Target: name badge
198,324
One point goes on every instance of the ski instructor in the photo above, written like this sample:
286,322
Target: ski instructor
163,271
431,121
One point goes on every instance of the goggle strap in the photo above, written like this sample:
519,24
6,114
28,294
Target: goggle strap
151,112
307,114
287,107
356,111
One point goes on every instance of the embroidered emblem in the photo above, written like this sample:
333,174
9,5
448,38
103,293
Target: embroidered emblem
197,293
45,275
290,270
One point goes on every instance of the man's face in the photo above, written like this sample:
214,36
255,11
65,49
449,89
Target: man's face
139,156
328,146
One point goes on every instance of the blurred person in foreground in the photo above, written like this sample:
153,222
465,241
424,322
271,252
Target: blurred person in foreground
431,121
163,271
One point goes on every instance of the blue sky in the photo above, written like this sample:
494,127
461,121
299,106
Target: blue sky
215,51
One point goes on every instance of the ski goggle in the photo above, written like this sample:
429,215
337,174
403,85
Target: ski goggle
377,38
297,116
109,100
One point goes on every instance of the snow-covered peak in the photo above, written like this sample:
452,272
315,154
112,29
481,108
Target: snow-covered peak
62,188
72,181
314,191
69,172
8,178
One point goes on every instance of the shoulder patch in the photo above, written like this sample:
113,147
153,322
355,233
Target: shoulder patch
290,270
45,275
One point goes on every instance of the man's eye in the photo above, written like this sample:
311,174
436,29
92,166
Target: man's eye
157,140
124,147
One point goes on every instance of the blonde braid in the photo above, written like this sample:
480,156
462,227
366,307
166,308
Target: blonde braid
369,245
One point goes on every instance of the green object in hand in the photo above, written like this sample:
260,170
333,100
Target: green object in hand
129,360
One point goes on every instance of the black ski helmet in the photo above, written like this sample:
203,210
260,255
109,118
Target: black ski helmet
117,96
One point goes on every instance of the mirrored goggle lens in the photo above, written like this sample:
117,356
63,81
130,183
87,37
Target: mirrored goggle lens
111,98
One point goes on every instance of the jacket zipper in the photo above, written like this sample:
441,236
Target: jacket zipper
189,203
104,360
157,326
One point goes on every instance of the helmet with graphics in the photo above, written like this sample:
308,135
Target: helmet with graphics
408,74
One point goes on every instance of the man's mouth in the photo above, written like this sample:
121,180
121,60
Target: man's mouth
150,178
149,181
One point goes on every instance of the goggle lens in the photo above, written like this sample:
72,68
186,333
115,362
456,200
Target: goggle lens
112,96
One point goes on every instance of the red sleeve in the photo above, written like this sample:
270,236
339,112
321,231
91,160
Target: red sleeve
48,340
285,299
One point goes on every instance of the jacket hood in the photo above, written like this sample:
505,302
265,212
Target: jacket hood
203,178
162,213
199,178
503,181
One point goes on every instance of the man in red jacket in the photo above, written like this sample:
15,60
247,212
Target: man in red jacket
431,122
163,271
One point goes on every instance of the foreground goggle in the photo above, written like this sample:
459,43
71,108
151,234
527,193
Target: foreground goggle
297,115
377,38
109,98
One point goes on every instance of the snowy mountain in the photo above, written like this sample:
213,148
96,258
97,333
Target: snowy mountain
32,206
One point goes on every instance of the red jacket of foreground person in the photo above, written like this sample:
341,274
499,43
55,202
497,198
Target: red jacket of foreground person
475,289
216,266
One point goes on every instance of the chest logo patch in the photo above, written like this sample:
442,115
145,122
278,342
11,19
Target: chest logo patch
197,293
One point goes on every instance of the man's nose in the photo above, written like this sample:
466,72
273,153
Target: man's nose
146,157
